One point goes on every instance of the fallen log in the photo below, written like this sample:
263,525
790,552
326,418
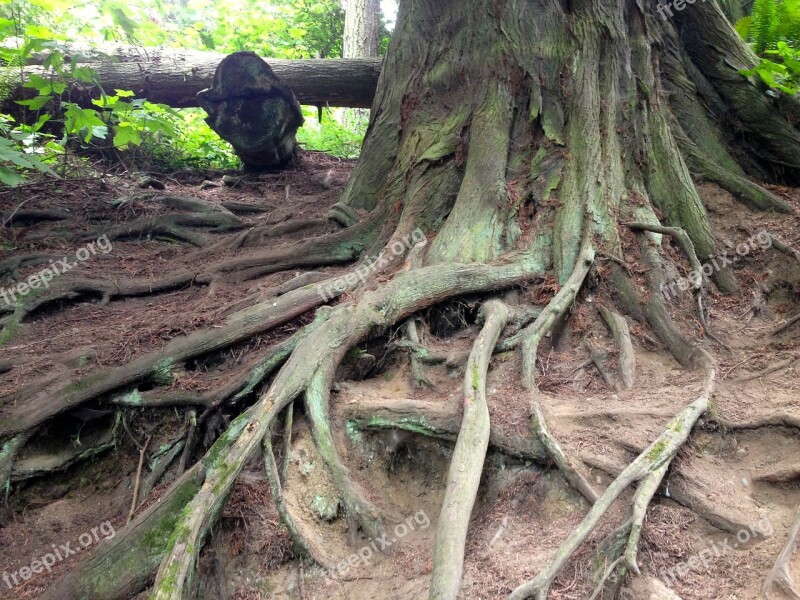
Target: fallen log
173,77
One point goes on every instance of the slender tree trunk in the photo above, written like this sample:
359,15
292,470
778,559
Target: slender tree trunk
361,24
360,40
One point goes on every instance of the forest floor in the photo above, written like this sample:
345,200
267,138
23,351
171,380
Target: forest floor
739,475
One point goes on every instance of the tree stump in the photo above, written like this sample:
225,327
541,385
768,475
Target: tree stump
253,110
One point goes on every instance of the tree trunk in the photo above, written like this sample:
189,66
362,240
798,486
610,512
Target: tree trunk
174,77
360,40
361,23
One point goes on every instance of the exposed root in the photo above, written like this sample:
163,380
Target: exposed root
769,370
162,463
782,246
302,542
28,406
288,423
649,462
573,472
779,575
532,335
30,216
466,466
10,266
622,336
360,512
138,479
696,277
407,293
435,419
8,454
172,227
34,464
418,356
786,325
597,358
343,214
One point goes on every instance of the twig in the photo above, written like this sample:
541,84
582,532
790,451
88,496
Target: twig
786,325
138,479
780,366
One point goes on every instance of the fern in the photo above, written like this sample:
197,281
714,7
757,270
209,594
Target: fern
772,21
762,30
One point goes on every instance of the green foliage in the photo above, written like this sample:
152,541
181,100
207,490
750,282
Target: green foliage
147,134
773,30
781,74
771,21
331,135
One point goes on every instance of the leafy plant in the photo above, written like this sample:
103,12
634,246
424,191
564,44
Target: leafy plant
330,135
771,22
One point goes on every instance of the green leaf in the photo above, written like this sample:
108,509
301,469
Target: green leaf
10,177
125,136
35,103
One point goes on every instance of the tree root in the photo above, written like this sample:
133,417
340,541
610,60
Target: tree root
786,325
532,335
683,239
622,336
748,193
779,575
782,246
650,462
11,266
173,227
573,472
301,541
360,512
466,465
418,356
434,419
27,408
408,292
32,216
597,358
39,464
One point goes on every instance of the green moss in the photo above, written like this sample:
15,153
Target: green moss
162,372
86,383
10,330
656,451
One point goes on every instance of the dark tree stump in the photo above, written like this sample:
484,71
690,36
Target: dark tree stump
253,110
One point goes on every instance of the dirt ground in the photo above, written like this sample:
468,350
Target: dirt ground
739,475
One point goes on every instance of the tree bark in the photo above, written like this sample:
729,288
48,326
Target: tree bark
174,77
361,21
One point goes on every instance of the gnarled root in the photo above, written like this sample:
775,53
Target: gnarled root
359,511
532,335
572,471
622,336
466,466
649,463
